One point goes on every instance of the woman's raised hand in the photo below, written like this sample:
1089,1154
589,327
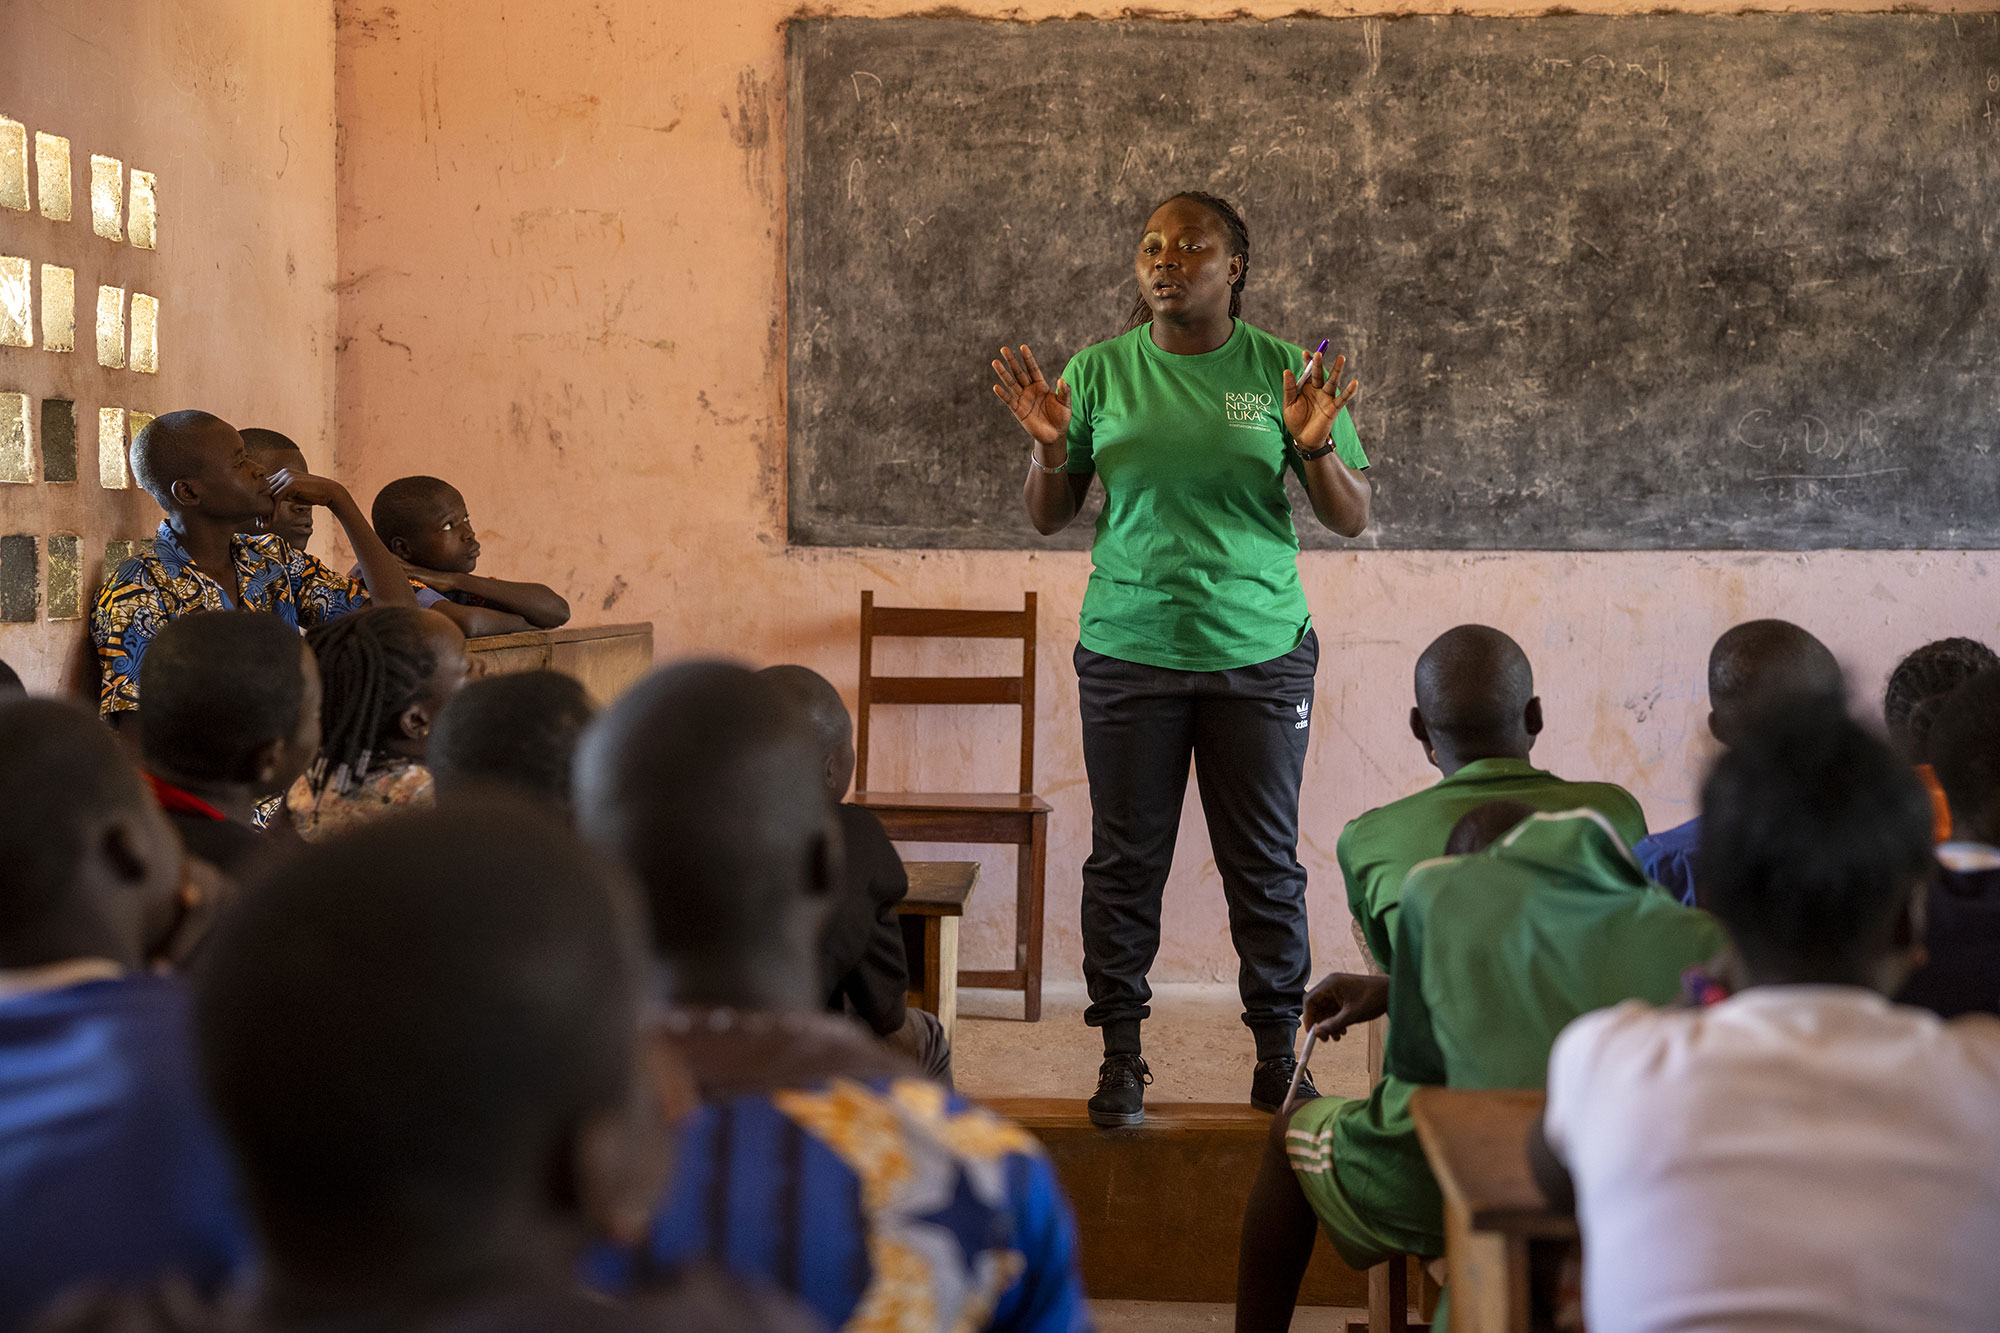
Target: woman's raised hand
1311,404
1043,412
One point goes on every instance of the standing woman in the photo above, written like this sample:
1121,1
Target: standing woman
1195,639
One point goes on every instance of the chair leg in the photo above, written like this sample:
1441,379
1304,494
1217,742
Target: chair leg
1389,1296
1033,880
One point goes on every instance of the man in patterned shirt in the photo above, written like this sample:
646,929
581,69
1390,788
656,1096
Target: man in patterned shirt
214,554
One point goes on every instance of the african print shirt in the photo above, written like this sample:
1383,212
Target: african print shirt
149,590
887,1205
394,783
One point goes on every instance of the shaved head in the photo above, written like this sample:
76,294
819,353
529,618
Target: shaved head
176,447
1761,661
407,505
1474,686
816,699
91,865
706,780
402,1028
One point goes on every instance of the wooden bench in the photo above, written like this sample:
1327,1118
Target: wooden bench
929,916
1477,1143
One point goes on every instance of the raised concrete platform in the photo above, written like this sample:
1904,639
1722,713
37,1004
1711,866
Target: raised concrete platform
1196,1044
1159,1207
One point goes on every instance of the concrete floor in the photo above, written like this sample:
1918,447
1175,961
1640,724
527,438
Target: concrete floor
1196,1046
1184,1317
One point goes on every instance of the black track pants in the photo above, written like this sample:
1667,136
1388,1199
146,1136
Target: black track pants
1246,732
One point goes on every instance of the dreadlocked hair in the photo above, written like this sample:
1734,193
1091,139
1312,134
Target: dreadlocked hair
1921,682
1239,244
373,665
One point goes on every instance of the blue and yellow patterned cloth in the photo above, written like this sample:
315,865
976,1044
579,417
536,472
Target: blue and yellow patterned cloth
887,1205
149,590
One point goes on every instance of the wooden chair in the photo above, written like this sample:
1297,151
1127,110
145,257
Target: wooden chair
1389,1283
1018,818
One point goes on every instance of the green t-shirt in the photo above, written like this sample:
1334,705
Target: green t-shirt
1377,849
1195,561
1496,953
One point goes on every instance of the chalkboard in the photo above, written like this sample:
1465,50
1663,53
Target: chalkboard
1662,281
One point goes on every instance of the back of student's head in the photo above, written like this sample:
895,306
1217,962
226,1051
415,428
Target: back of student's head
222,690
1920,684
1761,663
374,665
11,685
1813,836
406,506
1474,687
705,779
516,732
75,821
403,1029
1965,752
833,728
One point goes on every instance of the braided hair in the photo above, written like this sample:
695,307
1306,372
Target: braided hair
373,665
1922,681
1239,244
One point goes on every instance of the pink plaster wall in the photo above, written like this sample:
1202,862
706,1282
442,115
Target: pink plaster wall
230,104
561,233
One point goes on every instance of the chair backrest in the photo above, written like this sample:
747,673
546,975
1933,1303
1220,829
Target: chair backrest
923,622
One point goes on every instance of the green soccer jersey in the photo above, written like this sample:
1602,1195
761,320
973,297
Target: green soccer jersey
1377,849
1195,561
1496,953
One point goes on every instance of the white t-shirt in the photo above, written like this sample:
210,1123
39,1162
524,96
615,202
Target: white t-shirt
1794,1158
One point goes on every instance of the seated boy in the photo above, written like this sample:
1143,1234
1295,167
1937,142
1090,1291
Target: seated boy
1917,688
424,522
820,1160
863,966
423,1045
1495,953
1804,1154
213,552
275,453
1961,972
110,1167
1751,665
1477,718
514,733
231,717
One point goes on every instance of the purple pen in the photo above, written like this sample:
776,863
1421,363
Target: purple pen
1317,352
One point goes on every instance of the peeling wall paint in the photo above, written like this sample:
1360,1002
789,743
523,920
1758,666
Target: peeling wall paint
561,241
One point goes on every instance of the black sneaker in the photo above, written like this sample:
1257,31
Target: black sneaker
1121,1091
1268,1084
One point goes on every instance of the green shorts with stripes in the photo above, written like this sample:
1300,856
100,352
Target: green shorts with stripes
1309,1149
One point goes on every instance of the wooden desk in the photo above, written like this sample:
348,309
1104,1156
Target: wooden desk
938,893
605,658
1477,1143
